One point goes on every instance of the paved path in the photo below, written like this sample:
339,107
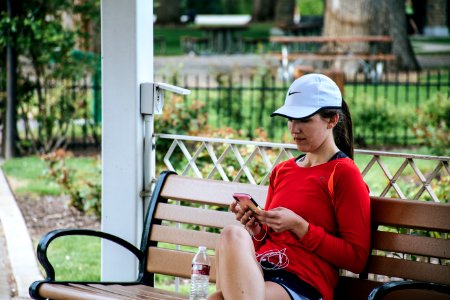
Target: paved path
211,64
5,289
16,249
241,64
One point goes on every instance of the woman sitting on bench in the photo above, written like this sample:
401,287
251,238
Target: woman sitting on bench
317,215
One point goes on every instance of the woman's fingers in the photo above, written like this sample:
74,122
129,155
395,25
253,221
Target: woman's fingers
232,207
279,218
246,217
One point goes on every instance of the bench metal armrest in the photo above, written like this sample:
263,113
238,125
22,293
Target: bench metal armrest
50,236
381,291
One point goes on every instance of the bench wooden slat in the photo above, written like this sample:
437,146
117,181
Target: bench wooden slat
66,292
412,244
337,56
100,289
416,295
174,263
414,270
330,39
192,215
352,288
140,291
184,237
410,214
213,192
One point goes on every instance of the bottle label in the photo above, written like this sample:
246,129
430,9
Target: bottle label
200,269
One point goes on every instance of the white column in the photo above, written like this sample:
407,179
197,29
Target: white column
127,61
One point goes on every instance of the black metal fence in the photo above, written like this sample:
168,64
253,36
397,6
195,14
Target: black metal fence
58,114
383,109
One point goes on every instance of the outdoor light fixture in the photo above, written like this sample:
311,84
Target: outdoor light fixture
152,96
152,101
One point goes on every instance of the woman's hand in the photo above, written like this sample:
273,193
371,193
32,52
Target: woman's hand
246,217
282,219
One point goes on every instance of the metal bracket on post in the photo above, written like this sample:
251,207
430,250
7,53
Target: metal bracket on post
152,96
152,102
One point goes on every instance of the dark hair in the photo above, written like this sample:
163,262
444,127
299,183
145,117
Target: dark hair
343,131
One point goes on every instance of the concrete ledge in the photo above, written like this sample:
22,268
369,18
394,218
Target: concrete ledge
18,241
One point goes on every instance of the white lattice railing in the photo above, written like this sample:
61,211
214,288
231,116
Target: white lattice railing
414,176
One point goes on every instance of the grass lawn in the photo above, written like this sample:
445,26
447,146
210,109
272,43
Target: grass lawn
172,35
68,255
27,175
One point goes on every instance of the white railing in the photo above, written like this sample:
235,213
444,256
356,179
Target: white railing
414,176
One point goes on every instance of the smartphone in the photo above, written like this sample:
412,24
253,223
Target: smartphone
247,202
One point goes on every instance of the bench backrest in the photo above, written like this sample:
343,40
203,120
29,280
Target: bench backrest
187,212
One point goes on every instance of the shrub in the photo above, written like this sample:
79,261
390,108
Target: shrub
378,117
84,193
433,124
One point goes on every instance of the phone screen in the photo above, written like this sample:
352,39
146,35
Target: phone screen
247,201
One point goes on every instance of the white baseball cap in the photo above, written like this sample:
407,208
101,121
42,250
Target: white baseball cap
309,94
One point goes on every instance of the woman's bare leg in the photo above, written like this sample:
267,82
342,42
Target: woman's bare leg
276,291
240,275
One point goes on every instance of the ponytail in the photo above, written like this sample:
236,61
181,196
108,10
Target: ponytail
343,131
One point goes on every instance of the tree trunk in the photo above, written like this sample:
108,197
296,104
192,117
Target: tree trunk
168,12
391,20
347,18
366,17
263,10
284,13
10,131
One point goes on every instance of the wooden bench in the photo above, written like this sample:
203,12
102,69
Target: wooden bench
253,44
194,44
311,48
190,212
336,56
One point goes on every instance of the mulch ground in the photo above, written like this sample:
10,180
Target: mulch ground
43,214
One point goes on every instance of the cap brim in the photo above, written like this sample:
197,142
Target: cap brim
290,112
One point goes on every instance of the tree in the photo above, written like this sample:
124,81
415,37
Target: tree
10,131
263,10
45,43
284,13
168,11
366,17
390,19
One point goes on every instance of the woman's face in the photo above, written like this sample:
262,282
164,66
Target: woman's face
310,134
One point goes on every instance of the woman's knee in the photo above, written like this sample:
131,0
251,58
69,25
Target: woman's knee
234,233
232,236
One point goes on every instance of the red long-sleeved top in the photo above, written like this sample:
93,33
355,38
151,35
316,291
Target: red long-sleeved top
334,199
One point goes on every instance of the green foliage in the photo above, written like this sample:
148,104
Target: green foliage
378,116
433,125
442,189
46,41
85,194
182,117
311,7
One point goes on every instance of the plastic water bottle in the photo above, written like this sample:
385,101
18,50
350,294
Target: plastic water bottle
200,275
